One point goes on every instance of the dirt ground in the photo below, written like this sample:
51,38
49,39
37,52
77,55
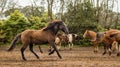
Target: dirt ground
77,57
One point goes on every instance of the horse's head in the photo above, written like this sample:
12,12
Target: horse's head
62,26
86,34
55,26
76,37
90,35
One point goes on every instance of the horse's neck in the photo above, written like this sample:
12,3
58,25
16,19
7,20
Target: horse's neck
53,32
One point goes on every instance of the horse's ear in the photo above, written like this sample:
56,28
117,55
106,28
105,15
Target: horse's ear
50,25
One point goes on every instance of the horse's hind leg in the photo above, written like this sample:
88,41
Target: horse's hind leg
31,49
22,51
40,49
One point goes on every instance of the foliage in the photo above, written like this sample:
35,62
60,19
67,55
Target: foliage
15,24
36,22
80,17
1,31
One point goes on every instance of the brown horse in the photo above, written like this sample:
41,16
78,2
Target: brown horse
45,35
113,35
94,37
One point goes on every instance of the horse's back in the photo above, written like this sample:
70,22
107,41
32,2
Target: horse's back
37,36
111,31
25,35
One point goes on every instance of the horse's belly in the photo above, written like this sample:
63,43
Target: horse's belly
39,42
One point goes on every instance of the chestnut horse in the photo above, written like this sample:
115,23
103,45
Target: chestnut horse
94,37
113,35
43,36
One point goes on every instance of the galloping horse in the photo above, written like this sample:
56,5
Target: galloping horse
45,35
94,37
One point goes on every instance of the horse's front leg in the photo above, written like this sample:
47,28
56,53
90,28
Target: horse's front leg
70,45
109,48
55,49
105,49
51,50
95,47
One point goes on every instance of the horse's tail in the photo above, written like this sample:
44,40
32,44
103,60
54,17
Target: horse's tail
14,42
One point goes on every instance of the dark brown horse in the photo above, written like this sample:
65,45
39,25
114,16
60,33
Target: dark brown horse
43,36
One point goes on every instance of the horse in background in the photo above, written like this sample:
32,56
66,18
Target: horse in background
42,36
114,46
102,37
113,35
94,37
72,38
66,39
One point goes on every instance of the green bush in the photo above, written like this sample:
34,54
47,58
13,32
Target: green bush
16,23
36,22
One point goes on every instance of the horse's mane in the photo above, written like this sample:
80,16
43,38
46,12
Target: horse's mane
56,21
52,24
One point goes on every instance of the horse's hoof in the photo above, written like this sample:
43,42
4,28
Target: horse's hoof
70,48
38,57
24,59
95,51
109,53
41,51
118,54
60,57
104,53
50,53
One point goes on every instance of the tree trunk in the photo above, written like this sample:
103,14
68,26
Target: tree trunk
50,3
